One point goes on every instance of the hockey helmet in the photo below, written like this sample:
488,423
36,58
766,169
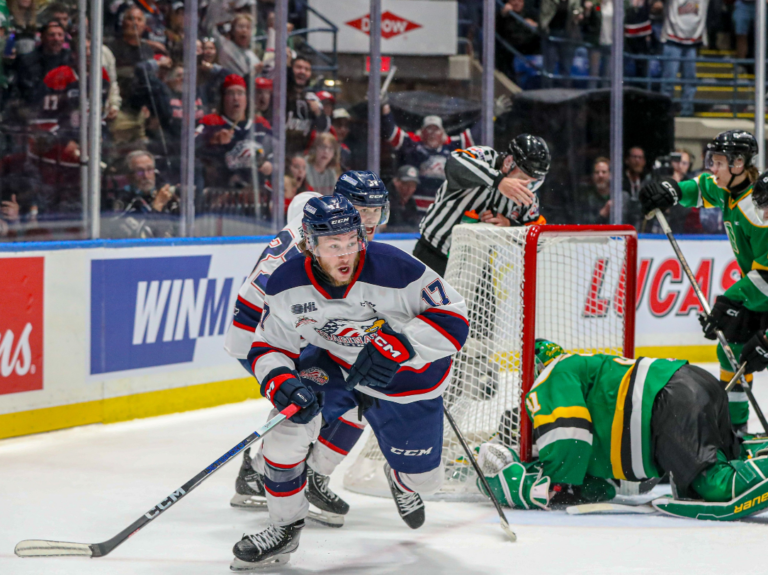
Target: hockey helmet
365,189
545,351
531,154
760,198
332,216
734,145
296,207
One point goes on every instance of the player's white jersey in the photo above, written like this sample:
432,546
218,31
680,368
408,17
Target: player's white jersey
250,298
389,286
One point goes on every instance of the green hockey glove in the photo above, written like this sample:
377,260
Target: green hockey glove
515,484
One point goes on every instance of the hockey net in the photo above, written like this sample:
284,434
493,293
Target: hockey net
574,285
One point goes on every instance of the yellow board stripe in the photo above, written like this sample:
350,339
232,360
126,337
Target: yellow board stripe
128,407
617,429
573,411
693,353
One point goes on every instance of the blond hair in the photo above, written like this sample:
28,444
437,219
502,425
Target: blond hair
330,139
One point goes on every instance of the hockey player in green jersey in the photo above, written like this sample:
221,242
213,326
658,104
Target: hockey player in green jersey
738,312
598,418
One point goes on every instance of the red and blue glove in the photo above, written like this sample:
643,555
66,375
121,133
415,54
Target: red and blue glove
283,387
378,361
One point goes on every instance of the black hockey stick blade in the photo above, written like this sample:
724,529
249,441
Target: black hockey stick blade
502,517
44,548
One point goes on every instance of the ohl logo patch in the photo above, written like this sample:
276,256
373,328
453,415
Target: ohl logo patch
350,333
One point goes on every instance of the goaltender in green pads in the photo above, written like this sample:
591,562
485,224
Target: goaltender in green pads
599,418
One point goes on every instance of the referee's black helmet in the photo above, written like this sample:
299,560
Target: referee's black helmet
530,154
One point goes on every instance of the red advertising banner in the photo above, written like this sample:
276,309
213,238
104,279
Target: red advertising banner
21,324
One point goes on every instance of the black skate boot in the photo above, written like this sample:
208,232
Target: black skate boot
409,504
249,487
327,508
273,546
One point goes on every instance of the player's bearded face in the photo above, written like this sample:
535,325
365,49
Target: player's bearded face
338,256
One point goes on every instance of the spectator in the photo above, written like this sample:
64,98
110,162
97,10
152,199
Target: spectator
323,164
328,102
340,129
559,19
223,141
32,67
597,195
60,13
403,212
635,176
638,35
598,21
141,209
23,23
517,24
175,31
428,150
297,169
235,52
264,98
684,30
303,111
9,216
130,48
154,31
210,74
682,169
743,22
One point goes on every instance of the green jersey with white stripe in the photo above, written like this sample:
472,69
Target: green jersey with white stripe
749,239
592,416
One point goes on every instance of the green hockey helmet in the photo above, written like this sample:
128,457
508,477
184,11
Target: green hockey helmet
544,352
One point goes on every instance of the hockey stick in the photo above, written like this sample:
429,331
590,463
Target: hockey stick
707,309
736,376
42,548
504,523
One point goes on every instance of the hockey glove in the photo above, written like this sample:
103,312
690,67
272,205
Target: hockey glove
378,361
282,387
728,316
660,195
755,353
519,485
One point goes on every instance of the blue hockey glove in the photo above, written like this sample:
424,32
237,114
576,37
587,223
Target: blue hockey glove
282,387
378,361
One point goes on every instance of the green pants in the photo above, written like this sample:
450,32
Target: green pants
737,398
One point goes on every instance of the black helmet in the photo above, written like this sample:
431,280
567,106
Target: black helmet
531,155
733,144
760,197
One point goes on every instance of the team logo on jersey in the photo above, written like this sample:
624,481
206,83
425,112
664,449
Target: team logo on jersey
315,375
350,333
241,156
304,321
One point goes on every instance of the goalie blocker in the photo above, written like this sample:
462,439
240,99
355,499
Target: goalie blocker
600,418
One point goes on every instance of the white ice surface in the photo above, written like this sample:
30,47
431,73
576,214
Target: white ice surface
87,484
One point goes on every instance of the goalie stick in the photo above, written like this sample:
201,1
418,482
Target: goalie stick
504,523
43,548
707,309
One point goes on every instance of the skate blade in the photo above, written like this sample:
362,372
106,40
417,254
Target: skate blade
239,565
253,502
325,518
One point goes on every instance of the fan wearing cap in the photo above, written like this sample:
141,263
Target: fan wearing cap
404,214
428,150
501,188
264,98
223,141
340,129
741,310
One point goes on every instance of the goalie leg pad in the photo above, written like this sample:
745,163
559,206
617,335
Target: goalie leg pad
513,483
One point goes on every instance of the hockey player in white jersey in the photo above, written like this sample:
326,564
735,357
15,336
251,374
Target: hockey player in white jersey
381,330
370,197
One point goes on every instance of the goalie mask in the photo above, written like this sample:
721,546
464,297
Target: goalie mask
335,218
544,352
760,198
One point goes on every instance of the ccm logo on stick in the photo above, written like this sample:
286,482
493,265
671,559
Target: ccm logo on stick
170,500
410,452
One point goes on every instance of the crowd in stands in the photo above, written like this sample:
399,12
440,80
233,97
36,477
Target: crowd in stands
545,35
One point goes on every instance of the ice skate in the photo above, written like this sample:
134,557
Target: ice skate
326,507
409,504
271,547
249,487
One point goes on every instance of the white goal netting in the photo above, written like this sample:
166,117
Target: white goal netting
563,283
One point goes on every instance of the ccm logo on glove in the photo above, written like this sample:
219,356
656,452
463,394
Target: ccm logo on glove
391,348
274,384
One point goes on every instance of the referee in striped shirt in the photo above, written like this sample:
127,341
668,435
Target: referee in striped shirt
499,187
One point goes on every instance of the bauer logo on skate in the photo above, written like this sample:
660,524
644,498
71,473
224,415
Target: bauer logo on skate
348,332
21,325
156,310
